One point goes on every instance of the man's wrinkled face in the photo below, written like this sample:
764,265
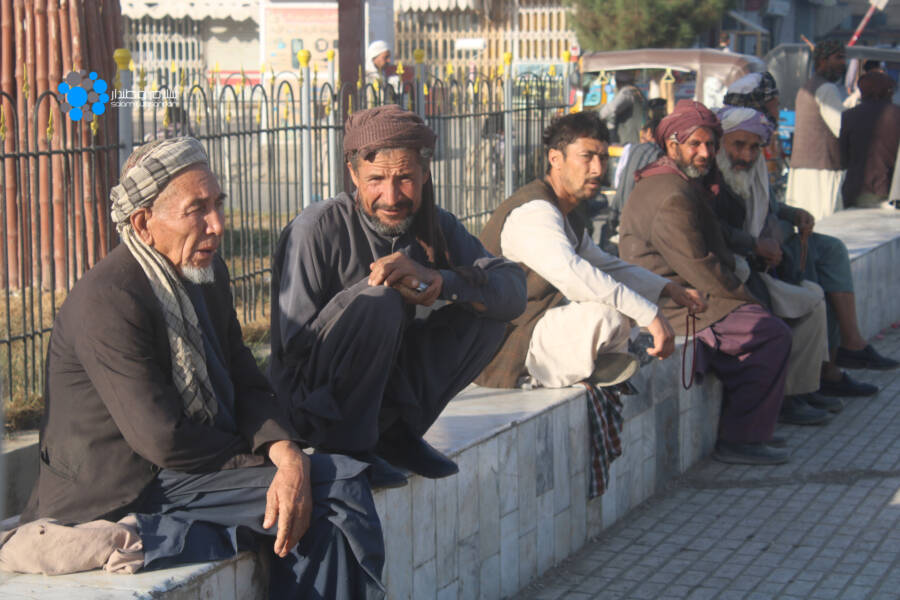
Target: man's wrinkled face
186,222
581,167
696,154
833,67
390,188
742,149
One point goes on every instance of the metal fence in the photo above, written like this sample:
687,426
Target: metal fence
275,147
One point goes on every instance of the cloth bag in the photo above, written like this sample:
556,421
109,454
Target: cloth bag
48,547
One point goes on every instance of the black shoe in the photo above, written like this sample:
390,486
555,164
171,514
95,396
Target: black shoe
776,442
831,404
867,358
848,387
380,473
796,411
416,455
749,454
639,346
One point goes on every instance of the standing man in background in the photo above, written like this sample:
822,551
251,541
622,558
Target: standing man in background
816,176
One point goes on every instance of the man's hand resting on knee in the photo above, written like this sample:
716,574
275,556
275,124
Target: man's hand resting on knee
416,283
663,337
289,499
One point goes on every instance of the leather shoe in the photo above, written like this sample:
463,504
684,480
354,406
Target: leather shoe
796,411
846,386
749,454
831,404
416,455
380,472
867,358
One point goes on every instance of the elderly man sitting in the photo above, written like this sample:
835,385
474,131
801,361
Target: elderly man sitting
753,234
156,409
668,227
768,232
358,371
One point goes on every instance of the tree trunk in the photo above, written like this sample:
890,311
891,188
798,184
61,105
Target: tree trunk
44,240
58,198
10,267
100,55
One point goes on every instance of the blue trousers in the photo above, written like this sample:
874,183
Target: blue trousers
185,518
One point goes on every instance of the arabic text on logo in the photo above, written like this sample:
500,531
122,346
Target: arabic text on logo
83,95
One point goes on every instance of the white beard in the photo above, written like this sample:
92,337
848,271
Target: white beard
741,182
199,275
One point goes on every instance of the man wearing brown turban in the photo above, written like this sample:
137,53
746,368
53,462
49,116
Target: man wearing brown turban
669,227
868,142
359,372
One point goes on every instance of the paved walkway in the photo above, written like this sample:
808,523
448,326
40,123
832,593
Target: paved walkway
825,525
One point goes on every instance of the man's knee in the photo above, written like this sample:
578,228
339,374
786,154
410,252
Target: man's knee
379,306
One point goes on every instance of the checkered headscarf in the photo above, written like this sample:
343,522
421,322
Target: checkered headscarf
147,171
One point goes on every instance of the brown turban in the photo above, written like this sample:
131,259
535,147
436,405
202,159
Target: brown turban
387,126
687,117
875,86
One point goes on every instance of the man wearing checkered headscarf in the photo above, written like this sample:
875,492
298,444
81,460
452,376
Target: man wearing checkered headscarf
816,176
358,371
154,403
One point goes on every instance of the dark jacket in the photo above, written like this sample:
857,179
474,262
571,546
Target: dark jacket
669,227
113,417
869,137
509,362
323,258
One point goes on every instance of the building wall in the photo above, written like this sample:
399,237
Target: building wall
230,44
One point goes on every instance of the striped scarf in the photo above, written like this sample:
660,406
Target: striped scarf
140,184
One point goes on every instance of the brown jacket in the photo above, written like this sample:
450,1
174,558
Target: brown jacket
113,417
509,362
669,228
815,147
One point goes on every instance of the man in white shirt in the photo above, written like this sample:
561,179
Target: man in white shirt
816,176
582,302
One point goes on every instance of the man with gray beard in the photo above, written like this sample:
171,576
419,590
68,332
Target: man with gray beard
763,230
359,373
741,203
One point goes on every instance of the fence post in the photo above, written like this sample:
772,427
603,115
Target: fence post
507,126
567,74
334,157
123,83
419,57
305,129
